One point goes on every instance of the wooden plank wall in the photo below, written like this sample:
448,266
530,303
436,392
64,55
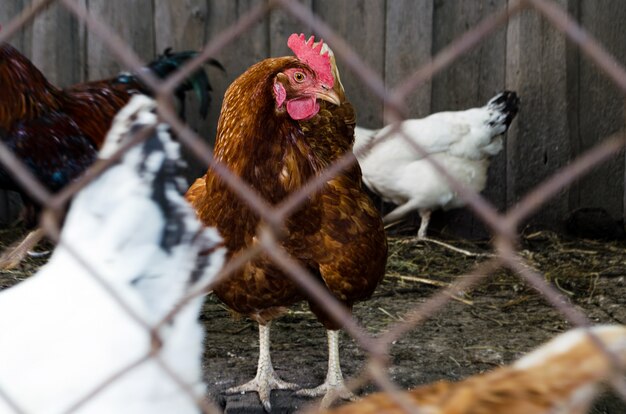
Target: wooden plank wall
599,107
567,104
538,144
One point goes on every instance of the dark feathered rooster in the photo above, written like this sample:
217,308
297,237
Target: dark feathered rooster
283,121
57,132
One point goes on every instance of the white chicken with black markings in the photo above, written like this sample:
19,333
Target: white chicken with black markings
463,142
64,335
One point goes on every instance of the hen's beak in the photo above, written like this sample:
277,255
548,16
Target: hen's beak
327,94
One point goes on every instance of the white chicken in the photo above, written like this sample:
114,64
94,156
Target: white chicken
462,142
63,335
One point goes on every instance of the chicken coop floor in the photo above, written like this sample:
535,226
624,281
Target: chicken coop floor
493,324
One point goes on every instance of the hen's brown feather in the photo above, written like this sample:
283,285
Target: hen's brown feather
562,379
336,234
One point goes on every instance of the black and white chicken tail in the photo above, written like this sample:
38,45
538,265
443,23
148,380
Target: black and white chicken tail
504,106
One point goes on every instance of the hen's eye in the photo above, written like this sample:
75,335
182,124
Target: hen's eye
299,77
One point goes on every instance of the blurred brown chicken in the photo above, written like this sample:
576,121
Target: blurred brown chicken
561,377
283,121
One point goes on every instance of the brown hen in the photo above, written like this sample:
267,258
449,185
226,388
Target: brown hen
561,377
283,121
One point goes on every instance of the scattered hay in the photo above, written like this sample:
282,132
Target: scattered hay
572,265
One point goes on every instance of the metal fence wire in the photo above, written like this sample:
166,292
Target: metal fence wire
503,226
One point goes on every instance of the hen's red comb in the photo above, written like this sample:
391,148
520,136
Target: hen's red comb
309,53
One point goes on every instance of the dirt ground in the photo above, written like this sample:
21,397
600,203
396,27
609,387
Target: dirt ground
493,324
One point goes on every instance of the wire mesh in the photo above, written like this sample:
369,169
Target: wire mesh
504,226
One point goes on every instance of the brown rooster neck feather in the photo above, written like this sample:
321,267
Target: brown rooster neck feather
26,94
94,103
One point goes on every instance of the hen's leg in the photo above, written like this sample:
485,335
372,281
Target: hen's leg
398,213
421,235
13,256
425,219
266,378
333,387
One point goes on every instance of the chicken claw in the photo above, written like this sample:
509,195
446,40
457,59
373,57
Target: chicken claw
266,378
334,386
331,390
265,381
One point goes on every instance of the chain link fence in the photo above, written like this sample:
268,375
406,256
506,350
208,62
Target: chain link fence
503,226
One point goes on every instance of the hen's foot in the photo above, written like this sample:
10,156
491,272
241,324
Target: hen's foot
334,386
331,392
263,384
266,378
